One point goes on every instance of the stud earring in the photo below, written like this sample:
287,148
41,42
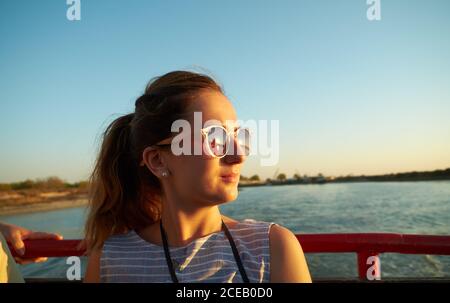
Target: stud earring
164,174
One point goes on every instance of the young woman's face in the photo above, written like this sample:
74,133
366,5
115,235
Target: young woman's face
200,178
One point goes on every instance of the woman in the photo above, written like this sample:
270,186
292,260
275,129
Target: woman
154,214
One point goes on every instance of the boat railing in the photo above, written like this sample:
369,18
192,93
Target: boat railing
366,246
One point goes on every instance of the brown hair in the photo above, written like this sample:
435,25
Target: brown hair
123,194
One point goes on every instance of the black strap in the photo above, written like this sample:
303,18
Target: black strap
232,244
167,253
236,254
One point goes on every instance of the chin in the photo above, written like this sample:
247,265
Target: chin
226,195
231,194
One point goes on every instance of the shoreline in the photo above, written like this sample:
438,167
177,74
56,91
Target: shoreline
295,182
42,206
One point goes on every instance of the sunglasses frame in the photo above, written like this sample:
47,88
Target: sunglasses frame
204,132
230,135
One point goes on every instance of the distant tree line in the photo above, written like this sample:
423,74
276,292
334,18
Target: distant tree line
55,183
252,178
50,183
441,174
409,176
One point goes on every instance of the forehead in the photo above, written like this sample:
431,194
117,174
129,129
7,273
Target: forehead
214,106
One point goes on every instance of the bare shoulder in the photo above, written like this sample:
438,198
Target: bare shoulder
281,235
287,260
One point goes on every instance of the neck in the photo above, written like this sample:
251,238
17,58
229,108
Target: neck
183,225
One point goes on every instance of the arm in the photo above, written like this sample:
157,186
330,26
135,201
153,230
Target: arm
16,234
287,261
93,267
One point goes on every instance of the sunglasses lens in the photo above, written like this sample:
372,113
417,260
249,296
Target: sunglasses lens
217,140
243,139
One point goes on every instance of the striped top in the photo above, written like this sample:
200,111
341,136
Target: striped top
129,258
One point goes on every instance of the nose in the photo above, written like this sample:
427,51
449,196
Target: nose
235,154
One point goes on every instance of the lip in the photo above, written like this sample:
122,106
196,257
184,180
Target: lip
230,178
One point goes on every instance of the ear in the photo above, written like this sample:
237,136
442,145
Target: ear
151,157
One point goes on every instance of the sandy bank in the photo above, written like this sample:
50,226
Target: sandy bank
42,206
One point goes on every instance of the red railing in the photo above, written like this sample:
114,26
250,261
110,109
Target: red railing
367,247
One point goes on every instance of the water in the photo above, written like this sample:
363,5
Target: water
400,207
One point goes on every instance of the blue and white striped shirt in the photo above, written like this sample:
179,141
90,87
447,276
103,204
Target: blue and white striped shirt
129,258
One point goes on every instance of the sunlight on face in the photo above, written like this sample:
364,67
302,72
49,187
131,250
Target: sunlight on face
202,177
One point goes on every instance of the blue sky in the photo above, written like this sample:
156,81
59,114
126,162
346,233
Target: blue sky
352,96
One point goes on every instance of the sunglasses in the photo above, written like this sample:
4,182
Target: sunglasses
217,141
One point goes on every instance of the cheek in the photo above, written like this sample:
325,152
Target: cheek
196,174
201,178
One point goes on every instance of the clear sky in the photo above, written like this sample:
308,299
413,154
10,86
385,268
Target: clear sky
352,96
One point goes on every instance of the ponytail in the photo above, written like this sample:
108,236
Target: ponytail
114,205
